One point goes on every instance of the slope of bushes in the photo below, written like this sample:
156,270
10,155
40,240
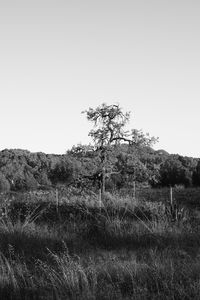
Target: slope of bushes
23,170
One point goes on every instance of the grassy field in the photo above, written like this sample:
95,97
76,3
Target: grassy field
58,247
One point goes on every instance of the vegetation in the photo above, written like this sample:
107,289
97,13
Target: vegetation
109,131
59,240
117,159
127,249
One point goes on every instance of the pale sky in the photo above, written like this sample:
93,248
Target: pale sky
58,58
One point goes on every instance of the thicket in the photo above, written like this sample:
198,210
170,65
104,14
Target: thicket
80,167
117,159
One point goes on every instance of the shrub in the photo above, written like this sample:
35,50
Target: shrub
4,184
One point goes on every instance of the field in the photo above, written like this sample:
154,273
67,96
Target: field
55,245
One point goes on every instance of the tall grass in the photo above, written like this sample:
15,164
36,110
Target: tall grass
123,250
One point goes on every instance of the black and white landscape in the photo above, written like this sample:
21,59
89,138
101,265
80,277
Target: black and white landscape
99,149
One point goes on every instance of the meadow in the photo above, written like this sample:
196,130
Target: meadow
67,245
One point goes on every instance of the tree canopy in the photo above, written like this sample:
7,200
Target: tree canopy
115,158
109,129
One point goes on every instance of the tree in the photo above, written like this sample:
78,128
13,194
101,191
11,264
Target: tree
65,171
4,183
196,175
88,173
109,123
172,172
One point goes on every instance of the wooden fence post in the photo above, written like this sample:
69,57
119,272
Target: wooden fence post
134,190
57,201
171,196
100,198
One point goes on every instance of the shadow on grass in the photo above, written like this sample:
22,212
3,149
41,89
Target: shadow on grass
33,246
106,240
35,243
50,212
29,293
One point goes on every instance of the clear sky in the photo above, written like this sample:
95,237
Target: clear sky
60,57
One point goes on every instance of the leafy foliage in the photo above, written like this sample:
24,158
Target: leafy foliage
81,166
117,158
109,122
4,183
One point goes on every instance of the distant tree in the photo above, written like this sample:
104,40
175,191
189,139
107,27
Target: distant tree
131,169
196,175
43,179
89,162
18,181
173,172
4,183
65,171
30,183
109,123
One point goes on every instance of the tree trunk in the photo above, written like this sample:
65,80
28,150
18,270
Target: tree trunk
103,170
103,181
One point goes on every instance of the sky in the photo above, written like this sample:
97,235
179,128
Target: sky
58,58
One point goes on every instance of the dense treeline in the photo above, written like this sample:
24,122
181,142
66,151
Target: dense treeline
23,170
80,166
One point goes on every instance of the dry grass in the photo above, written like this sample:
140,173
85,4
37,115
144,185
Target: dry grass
123,250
